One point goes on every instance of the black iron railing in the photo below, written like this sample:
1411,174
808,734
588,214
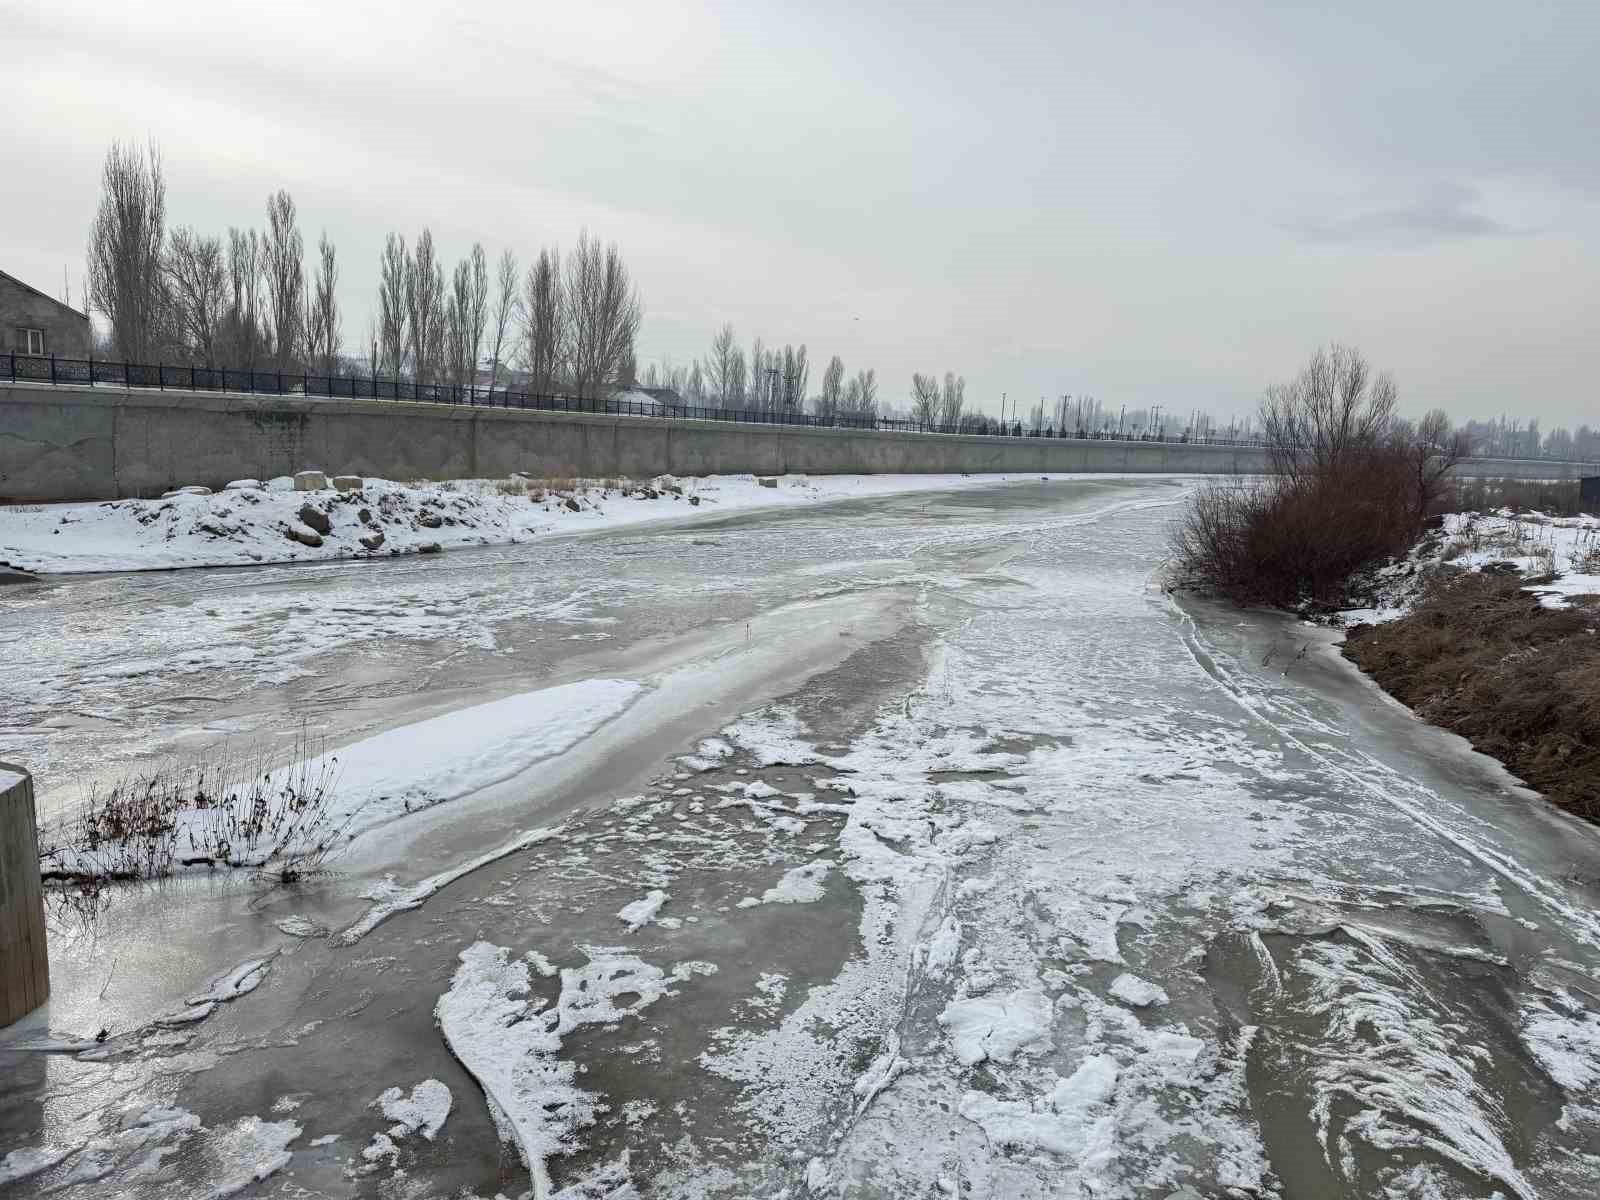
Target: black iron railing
112,373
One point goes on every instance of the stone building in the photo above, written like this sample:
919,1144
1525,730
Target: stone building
34,323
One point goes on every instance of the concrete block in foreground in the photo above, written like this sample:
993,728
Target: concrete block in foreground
24,958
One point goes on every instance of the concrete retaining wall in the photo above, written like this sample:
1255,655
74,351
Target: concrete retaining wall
81,443
24,960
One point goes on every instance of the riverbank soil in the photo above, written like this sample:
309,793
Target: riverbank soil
1484,658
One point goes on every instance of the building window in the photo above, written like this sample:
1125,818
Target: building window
35,341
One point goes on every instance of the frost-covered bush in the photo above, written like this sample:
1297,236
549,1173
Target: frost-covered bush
227,811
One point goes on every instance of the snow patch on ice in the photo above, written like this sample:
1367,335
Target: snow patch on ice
509,1040
1140,993
642,912
799,885
424,1111
1565,1040
460,752
1071,1120
997,1027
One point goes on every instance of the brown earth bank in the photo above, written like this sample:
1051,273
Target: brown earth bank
1481,657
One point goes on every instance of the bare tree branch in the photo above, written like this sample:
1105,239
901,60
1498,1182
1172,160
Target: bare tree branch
125,243
504,314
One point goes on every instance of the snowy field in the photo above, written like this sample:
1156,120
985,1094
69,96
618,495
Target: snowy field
255,521
1560,556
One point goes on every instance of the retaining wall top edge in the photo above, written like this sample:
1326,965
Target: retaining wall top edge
209,401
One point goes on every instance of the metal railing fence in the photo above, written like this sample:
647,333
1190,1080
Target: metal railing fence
30,368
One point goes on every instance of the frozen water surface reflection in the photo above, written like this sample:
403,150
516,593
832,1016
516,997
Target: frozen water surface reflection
942,854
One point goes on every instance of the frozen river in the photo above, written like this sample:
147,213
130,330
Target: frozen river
930,849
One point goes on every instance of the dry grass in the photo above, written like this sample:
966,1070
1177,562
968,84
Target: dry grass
228,811
1554,497
1481,657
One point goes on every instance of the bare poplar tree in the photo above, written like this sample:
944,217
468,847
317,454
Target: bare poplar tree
831,398
719,365
474,306
602,312
796,373
738,381
197,293
424,309
503,316
324,332
457,318
285,272
125,243
243,340
953,398
544,337
759,391
1332,411
392,307
861,395
924,399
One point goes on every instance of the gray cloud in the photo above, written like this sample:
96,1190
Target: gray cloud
1448,213
1142,200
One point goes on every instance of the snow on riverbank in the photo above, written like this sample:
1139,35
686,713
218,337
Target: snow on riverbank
271,523
1559,555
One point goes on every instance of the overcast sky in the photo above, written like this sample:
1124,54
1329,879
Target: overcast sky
1148,202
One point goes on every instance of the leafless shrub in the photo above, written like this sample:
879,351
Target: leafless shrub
228,811
1346,491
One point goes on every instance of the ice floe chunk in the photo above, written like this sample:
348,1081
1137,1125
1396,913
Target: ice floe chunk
424,1111
1140,993
642,912
1070,1120
944,947
799,885
998,1026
